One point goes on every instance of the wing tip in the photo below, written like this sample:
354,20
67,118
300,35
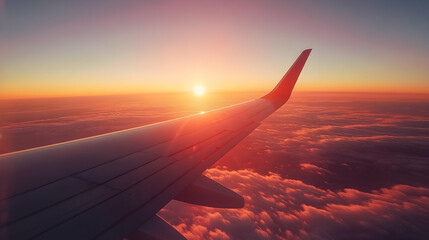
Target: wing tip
281,93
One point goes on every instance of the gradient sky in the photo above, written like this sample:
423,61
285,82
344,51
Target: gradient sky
61,48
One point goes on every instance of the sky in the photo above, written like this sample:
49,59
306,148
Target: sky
73,48
345,158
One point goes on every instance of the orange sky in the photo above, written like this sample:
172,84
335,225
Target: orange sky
73,49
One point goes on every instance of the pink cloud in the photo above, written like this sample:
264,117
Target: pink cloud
278,208
312,168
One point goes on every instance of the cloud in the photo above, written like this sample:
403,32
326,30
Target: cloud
312,168
337,145
278,208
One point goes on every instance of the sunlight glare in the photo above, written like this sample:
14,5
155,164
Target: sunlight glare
199,90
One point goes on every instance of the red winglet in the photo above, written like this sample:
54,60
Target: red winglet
281,93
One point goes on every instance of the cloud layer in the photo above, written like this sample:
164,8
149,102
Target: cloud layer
336,144
333,169
325,166
278,208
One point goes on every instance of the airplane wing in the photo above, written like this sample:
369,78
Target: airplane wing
111,186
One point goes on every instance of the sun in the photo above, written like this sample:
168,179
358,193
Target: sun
199,90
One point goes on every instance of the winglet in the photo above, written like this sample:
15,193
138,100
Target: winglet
281,93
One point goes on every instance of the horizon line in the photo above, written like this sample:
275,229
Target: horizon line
213,92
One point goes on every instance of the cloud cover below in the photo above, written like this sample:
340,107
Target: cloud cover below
346,168
278,208
324,166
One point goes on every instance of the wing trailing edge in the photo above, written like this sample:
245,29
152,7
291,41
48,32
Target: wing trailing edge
207,192
281,93
156,228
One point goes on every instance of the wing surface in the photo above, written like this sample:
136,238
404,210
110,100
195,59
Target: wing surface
107,186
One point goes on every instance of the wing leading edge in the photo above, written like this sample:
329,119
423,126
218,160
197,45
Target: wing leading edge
107,186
